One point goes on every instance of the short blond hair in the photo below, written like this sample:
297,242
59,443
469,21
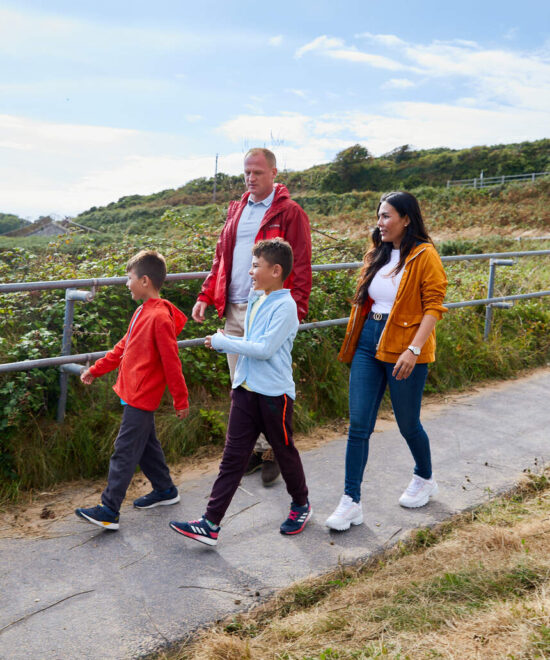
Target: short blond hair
269,155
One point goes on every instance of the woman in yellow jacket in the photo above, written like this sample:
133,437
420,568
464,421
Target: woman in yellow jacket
389,340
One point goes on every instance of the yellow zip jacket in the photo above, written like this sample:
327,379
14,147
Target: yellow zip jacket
421,291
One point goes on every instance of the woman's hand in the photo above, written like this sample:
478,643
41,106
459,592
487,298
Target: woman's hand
404,365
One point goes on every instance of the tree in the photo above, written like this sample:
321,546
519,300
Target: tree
349,167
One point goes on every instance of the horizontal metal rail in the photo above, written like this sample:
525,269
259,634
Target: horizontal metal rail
27,365
13,287
482,181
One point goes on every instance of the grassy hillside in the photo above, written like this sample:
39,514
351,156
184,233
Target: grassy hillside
352,169
36,452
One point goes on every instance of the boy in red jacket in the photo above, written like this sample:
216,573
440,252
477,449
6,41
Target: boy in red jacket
147,360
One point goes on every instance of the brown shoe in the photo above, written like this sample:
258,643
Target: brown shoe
255,462
270,468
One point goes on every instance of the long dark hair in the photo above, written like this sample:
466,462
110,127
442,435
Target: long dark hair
380,252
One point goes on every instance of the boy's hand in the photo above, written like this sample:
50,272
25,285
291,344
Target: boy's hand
86,377
183,413
208,339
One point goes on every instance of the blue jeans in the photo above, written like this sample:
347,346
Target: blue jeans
367,383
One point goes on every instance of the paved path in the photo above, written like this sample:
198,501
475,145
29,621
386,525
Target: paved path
100,595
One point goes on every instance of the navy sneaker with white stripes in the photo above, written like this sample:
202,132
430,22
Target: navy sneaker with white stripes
199,530
297,518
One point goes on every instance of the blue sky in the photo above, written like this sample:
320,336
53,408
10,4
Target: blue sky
104,99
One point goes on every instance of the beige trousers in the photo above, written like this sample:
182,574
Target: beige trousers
234,325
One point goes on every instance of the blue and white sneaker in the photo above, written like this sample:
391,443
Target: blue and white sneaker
158,498
199,530
100,515
297,518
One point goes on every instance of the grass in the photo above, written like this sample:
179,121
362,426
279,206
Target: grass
476,586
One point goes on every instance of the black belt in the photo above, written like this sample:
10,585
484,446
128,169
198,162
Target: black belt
377,316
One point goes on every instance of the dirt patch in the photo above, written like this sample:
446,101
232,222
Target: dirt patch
37,514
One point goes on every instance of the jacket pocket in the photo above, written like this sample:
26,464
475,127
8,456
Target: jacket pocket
399,335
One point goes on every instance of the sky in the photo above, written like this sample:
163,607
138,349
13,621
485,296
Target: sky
104,99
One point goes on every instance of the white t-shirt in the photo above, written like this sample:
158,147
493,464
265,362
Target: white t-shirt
384,285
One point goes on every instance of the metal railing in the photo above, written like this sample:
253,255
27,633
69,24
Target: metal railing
71,364
483,181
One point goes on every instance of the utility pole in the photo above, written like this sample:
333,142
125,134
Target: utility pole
215,180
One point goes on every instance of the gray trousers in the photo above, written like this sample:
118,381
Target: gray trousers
234,325
136,444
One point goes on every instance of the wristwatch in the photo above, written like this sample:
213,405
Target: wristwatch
415,350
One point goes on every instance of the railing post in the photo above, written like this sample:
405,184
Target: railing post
65,350
71,295
493,263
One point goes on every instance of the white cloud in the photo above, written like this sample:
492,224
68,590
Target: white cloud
322,43
398,83
290,127
193,119
383,39
25,33
497,76
429,125
301,93
275,41
337,49
376,61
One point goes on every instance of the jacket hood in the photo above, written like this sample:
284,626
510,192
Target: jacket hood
281,192
177,315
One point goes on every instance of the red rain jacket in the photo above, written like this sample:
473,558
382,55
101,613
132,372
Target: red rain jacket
147,357
283,218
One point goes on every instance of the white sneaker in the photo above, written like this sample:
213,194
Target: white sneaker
418,492
346,513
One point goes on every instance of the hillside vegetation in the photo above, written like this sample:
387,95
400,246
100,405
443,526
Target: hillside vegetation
9,222
352,169
35,452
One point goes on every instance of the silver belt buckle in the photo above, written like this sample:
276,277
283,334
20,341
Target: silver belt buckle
377,316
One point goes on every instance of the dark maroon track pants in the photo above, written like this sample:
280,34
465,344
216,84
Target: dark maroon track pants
251,414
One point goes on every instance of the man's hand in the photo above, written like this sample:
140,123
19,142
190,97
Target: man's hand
404,365
183,413
199,310
86,377
208,341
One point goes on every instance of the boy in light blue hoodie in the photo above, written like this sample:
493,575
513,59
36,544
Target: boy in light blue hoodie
262,398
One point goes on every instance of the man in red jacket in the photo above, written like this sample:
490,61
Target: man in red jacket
147,360
264,211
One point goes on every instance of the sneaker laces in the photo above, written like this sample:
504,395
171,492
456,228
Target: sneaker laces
415,485
293,515
344,504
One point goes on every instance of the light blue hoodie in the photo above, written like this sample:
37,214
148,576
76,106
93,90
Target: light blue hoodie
265,352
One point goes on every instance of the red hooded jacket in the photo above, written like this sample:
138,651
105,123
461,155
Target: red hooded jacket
283,218
147,357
